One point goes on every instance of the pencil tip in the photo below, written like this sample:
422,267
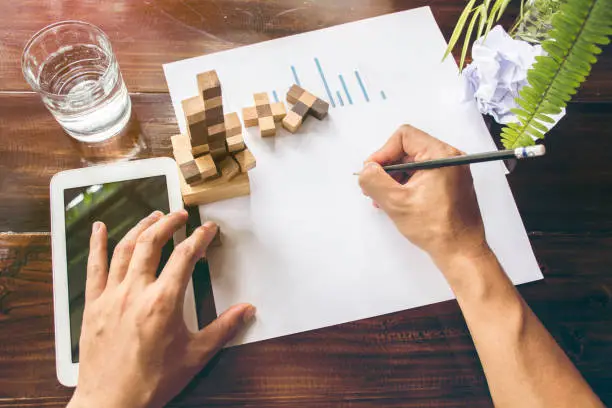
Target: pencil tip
357,174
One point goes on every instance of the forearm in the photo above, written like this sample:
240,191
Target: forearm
523,364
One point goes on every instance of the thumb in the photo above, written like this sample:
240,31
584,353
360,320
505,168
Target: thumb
224,328
376,183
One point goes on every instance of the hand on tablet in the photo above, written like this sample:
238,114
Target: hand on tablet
135,350
435,209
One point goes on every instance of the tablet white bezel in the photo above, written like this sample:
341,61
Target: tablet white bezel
67,371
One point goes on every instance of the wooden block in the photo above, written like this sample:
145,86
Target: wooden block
233,127
267,127
198,133
230,167
292,121
206,166
299,108
245,160
213,103
249,116
263,110
294,93
216,190
209,85
319,109
200,150
182,156
195,119
308,99
218,144
278,111
190,171
180,142
187,166
218,153
235,143
211,93
214,116
216,130
261,98
193,108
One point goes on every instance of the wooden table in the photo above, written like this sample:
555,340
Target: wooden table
421,357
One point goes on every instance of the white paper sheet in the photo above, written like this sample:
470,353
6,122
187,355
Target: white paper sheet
306,247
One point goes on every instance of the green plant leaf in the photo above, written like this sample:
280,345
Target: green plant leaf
468,34
544,118
578,28
458,28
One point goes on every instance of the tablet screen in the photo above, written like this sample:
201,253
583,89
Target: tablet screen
120,205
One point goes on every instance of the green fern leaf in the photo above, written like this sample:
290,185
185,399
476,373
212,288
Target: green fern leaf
544,118
579,28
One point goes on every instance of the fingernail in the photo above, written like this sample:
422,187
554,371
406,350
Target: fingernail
249,314
369,168
155,214
209,225
96,226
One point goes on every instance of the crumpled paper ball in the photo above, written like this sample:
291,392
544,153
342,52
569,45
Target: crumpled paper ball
497,73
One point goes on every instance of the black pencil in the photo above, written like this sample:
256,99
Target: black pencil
519,153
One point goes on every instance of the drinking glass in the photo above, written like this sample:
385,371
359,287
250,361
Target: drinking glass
72,67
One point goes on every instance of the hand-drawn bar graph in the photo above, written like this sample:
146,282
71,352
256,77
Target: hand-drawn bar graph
329,94
346,91
345,96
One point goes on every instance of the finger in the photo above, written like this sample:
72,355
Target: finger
391,152
407,141
378,184
97,263
213,337
125,248
178,270
149,244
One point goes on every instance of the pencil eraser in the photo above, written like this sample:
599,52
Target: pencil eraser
530,151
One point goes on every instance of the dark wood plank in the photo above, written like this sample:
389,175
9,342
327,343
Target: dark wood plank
569,189
421,357
566,191
33,147
149,33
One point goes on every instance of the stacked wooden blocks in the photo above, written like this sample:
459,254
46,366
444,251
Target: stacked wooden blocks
264,114
304,104
213,158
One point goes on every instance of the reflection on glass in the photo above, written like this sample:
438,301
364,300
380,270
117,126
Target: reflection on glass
120,206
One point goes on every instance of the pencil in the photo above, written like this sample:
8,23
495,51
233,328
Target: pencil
519,153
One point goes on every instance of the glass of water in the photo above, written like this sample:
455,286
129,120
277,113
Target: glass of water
72,66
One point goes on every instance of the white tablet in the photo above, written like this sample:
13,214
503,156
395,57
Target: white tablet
119,195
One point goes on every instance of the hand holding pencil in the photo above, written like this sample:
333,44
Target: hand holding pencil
435,209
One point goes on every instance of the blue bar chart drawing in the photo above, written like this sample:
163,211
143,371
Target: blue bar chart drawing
295,76
347,90
329,94
365,93
339,98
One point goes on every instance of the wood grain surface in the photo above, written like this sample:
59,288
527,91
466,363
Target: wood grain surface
418,358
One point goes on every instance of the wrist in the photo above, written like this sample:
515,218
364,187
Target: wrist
468,269
79,400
